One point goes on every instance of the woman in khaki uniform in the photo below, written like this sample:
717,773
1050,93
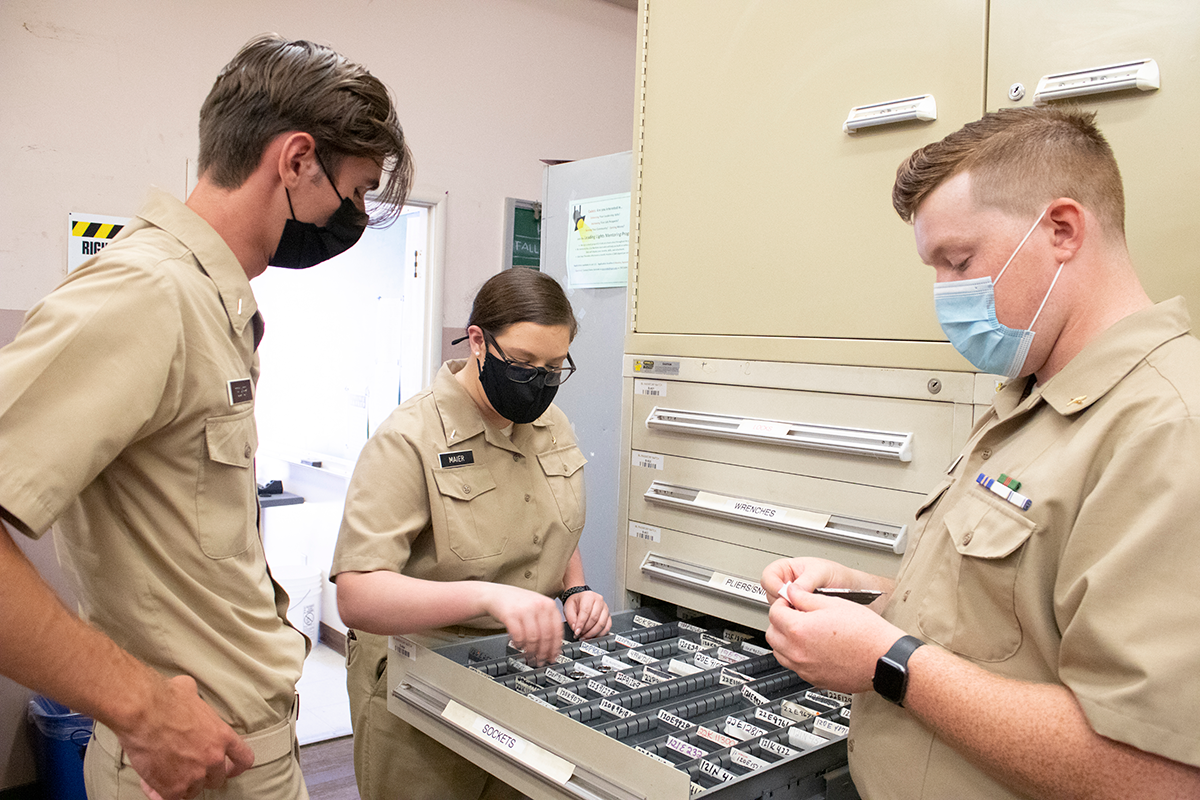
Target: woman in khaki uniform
463,519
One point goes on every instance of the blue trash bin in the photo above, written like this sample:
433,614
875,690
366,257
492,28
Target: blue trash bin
60,737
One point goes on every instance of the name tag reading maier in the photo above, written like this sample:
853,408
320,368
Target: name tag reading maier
542,761
240,391
458,458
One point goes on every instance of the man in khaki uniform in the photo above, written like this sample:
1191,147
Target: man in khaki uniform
1041,638
127,422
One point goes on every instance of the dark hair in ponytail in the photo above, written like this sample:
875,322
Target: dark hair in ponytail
521,294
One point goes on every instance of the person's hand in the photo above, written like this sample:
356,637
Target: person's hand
830,642
807,574
180,747
532,620
587,615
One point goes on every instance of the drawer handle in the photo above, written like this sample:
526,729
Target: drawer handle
851,530
705,578
828,438
922,107
1142,75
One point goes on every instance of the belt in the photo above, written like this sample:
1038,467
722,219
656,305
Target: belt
269,744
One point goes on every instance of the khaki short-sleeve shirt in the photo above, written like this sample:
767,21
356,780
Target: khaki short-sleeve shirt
438,494
1095,586
127,421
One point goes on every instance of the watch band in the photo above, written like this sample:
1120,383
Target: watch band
583,587
891,671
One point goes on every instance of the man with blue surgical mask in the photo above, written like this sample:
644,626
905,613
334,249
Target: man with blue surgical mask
1040,638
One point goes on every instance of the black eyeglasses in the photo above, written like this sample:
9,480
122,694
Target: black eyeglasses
520,372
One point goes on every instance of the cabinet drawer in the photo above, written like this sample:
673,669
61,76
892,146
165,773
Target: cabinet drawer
928,427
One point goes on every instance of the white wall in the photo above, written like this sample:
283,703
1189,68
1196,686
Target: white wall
99,100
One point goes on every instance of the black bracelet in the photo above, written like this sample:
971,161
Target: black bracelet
574,590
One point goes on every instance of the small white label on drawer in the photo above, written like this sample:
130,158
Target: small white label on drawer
764,427
740,729
599,688
503,740
651,388
405,647
688,646
591,649
796,711
713,771
625,641
754,649
525,686
654,676
729,656
754,697
705,661
655,756
672,720
695,789
830,728
611,708
822,699
641,658
647,460
586,671
644,622
682,668
746,760
556,677
803,739
774,720
689,750
519,665
614,663
569,697
731,677
716,738
778,749
739,586
541,702
736,636
651,534
708,640
625,679
687,626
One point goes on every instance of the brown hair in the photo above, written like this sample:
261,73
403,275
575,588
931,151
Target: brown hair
521,294
275,85
1020,159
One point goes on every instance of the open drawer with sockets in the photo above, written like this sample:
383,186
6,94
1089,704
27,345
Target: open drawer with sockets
663,707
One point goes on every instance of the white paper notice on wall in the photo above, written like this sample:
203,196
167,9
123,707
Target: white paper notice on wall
598,242
507,742
88,234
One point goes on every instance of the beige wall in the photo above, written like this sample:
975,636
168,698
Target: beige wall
99,100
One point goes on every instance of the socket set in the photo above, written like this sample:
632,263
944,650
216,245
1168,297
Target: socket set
702,695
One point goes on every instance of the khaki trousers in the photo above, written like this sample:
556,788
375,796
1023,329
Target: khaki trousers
392,759
108,775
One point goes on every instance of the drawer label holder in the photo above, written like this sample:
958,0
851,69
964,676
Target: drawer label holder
505,741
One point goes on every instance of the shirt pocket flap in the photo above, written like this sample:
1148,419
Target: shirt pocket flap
464,483
982,529
231,440
564,462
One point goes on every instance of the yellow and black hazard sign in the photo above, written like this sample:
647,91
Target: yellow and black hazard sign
89,234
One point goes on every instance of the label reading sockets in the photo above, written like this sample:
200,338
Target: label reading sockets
689,750
600,689
713,771
672,720
830,728
740,729
641,658
774,720
611,708
746,760
569,697
778,749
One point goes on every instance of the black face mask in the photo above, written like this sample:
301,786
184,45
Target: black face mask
517,402
304,244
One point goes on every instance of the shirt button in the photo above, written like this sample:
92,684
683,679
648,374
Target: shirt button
536,539
248,451
968,537
516,457
526,498
986,454
466,489
907,592
528,573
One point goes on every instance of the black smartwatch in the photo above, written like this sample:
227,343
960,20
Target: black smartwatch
574,590
891,671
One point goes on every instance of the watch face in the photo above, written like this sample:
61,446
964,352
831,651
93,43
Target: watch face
890,680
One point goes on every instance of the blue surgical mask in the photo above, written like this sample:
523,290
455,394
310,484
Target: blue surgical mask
966,311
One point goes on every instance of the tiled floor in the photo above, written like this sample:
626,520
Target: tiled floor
324,705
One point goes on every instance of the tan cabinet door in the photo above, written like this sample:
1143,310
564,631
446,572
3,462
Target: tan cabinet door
759,215
1153,133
